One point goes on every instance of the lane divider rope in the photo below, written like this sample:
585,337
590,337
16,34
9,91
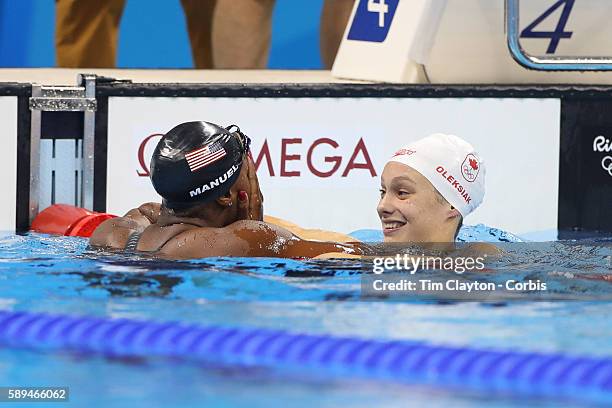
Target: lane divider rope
412,362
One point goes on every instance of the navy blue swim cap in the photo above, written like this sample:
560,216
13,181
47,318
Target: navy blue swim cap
197,162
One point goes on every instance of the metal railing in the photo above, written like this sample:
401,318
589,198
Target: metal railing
81,98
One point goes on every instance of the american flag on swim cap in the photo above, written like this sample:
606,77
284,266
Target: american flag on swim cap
203,156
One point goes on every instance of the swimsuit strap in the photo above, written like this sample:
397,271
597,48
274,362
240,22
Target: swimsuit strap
132,241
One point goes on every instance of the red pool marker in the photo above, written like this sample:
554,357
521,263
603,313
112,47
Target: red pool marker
64,219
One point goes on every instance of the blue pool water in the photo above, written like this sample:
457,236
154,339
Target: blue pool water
61,275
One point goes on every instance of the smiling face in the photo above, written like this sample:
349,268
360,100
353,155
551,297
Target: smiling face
411,210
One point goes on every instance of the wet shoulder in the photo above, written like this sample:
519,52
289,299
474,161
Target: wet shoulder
156,236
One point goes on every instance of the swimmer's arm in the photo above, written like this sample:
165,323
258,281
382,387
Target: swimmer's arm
114,232
309,234
251,239
474,250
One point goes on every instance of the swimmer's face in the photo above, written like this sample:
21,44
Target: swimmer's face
409,208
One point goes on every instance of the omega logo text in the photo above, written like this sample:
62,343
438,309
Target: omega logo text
292,151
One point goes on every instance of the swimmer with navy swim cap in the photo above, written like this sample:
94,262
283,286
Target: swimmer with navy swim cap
428,187
197,162
211,204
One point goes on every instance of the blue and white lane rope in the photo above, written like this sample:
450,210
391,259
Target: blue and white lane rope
508,372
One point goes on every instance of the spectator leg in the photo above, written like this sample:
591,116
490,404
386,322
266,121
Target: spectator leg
86,33
241,33
334,18
199,15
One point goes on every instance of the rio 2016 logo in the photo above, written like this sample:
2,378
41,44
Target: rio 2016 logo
603,145
372,20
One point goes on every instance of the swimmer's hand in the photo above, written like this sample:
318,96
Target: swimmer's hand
250,203
338,255
151,211
144,215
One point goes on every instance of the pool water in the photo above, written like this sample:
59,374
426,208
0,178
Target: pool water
40,273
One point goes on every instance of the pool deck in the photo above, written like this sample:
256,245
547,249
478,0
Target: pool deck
67,76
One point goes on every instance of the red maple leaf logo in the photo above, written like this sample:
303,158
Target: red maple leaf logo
474,164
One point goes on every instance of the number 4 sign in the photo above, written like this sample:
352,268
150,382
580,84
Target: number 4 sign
381,8
386,40
559,33
372,20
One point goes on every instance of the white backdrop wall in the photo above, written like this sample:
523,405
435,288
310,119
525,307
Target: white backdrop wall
8,164
518,139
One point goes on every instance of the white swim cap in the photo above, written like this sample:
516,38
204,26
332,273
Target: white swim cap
451,165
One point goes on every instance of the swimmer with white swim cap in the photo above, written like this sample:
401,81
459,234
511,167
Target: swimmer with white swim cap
428,187
212,204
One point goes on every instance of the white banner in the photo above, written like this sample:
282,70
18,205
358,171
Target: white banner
320,159
8,164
